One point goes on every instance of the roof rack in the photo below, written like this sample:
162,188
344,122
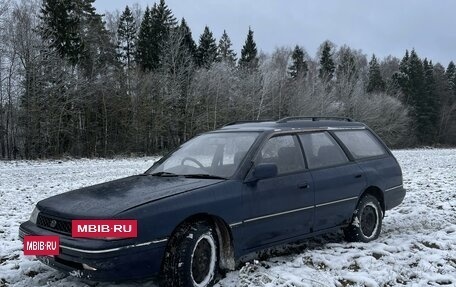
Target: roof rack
314,119
246,121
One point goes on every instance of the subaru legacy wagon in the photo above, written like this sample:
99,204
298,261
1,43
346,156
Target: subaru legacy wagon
227,193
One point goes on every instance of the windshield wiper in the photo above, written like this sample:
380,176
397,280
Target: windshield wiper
203,175
164,173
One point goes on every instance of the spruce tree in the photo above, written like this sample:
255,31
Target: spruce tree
444,79
443,89
126,38
249,59
451,75
401,78
207,49
63,26
153,34
60,30
415,77
298,67
421,89
163,19
375,81
429,105
404,65
225,52
346,68
187,38
145,44
327,65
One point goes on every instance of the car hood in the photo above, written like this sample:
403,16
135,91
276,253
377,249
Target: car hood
111,198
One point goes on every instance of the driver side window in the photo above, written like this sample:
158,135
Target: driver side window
285,152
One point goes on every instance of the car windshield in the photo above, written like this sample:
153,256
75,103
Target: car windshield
212,155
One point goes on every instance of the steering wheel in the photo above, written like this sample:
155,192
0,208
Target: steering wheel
194,160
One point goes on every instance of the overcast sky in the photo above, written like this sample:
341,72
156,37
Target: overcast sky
381,27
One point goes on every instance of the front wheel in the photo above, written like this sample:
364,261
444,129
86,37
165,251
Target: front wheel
367,221
191,260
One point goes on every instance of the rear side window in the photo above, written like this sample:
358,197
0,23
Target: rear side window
322,150
361,143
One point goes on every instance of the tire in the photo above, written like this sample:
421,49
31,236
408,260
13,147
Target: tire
366,223
191,259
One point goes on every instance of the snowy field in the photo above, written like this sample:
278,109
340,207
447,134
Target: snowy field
417,246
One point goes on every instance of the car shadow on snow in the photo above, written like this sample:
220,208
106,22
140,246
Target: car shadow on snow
247,264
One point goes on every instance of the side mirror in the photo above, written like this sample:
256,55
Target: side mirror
264,170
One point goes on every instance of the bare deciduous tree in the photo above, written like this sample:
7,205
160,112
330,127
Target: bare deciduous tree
50,106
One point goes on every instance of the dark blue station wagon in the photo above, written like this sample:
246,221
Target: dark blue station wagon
226,193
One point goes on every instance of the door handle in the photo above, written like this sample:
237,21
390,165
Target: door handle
303,185
358,175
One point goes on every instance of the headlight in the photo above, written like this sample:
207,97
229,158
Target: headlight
34,215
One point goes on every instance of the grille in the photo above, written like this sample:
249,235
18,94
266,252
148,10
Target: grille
60,226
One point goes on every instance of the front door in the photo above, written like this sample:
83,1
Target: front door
280,207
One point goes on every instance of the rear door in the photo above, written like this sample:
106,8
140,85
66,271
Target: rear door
337,180
380,167
280,207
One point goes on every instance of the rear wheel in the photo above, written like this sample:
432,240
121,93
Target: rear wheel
367,221
191,260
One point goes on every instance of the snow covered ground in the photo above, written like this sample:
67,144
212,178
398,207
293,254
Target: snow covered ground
417,245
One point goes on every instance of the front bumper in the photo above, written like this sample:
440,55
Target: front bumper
100,260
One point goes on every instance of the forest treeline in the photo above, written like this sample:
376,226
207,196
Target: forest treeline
78,83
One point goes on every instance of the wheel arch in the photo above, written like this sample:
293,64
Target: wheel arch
224,237
377,193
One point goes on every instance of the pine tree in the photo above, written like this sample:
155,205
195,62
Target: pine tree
207,49
249,59
298,67
187,38
145,44
225,53
126,38
375,81
327,65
